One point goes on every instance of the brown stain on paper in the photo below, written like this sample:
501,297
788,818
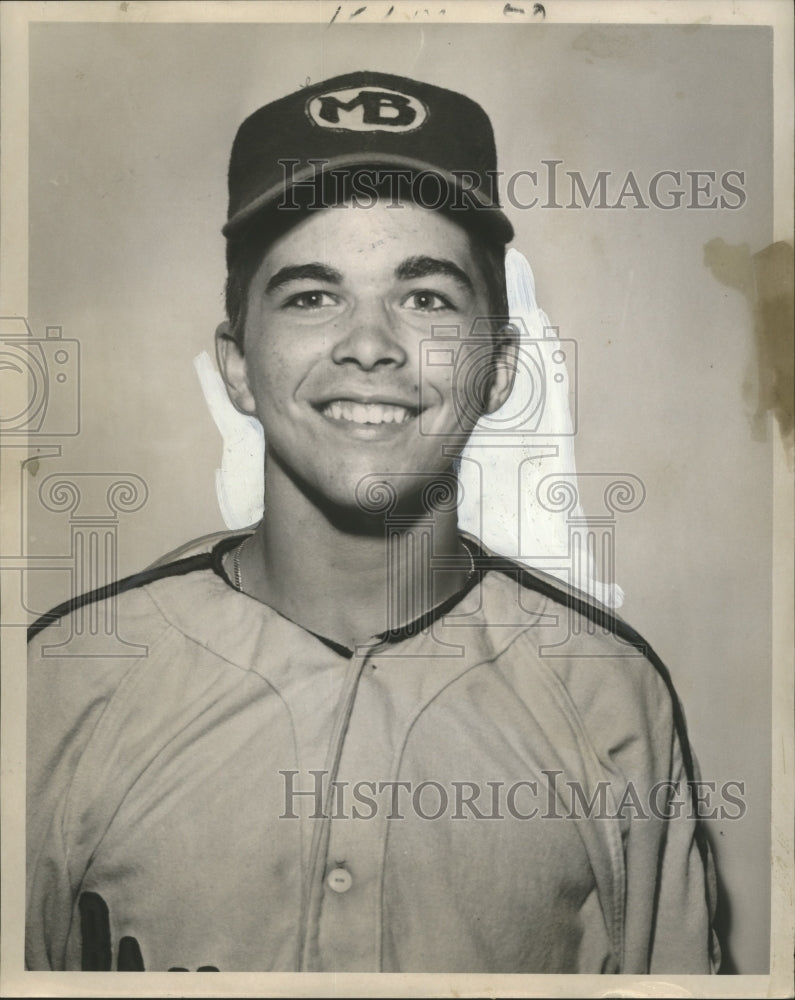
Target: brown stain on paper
766,281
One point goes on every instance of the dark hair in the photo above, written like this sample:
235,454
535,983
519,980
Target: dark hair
245,252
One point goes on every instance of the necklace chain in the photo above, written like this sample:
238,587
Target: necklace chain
237,573
471,572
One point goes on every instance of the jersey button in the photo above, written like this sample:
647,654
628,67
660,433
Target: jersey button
339,879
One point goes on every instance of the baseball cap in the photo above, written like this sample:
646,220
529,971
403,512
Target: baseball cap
442,140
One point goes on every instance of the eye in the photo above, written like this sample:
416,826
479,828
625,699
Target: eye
425,301
314,299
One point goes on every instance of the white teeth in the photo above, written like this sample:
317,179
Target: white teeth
366,413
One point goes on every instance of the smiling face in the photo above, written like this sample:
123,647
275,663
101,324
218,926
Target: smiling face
337,317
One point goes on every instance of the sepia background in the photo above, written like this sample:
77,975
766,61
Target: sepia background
130,129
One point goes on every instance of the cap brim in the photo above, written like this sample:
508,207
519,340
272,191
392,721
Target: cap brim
475,210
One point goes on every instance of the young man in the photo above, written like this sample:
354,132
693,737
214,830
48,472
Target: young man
350,745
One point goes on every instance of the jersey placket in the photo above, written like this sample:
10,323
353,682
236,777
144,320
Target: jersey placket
394,686
348,933
316,876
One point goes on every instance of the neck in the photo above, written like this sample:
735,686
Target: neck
350,578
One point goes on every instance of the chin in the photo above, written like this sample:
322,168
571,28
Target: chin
375,496
357,486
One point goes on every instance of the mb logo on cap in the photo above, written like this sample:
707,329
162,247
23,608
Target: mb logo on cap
284,149
367,110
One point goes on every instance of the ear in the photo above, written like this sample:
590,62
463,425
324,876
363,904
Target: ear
506,352
232,365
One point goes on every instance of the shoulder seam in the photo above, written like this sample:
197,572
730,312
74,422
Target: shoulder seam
599,614
180,567
604,618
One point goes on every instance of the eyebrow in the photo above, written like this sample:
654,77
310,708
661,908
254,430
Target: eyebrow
299,272
427,267
409,269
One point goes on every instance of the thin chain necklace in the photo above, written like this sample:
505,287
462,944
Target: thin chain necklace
471,571
237,573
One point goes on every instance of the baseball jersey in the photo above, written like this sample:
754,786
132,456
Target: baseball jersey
487,789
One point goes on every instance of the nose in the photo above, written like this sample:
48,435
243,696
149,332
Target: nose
370,340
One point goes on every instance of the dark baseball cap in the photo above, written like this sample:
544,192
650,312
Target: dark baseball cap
373,121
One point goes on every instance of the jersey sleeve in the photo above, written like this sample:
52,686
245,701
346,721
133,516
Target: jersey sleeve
683,934
635,724
670,899
66,700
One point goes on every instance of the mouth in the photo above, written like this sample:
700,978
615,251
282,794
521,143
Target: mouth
348,411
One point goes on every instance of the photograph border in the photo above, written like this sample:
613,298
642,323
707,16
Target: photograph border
15,18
